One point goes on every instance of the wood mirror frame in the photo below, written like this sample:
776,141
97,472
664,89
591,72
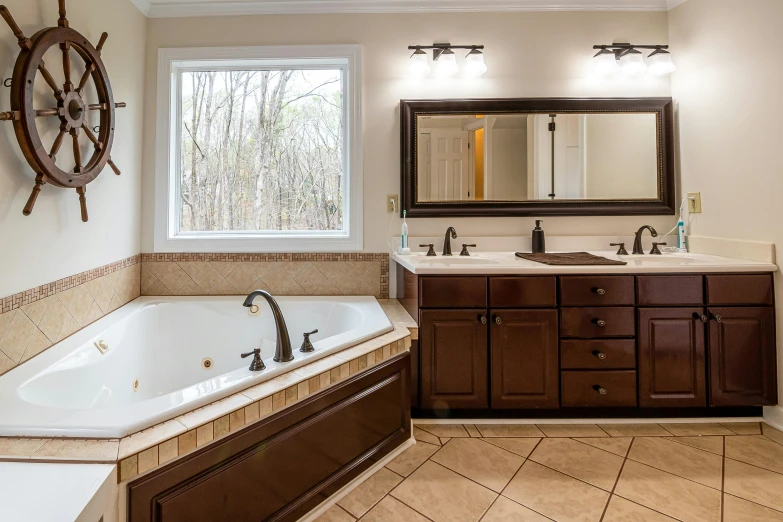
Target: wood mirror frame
661,107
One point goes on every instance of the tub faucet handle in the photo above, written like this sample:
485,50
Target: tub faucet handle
257,365
307,346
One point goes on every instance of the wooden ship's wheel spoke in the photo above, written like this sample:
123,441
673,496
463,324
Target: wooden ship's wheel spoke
72,109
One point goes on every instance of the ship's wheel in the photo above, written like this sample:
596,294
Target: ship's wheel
71,108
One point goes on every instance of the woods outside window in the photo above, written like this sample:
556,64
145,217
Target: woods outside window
260,149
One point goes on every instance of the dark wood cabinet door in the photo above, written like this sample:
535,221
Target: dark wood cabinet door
743,367
453,359
671,365
524,359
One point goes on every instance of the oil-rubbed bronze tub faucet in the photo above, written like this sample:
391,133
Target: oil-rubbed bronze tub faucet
447,241
637,243
283,351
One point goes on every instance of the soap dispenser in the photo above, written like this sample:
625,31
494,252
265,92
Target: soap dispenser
539,243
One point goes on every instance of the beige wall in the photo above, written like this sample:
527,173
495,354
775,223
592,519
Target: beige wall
53,242
728,87
528,54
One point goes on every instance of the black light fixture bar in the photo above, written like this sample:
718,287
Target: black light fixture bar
621,49
439,48
444,47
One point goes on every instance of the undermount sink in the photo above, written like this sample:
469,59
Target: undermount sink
669,260
459,260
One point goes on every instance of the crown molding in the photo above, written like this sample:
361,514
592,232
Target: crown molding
187,8
144,6
671,4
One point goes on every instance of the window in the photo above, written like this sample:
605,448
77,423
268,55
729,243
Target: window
261,150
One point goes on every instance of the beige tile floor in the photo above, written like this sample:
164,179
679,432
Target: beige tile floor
611,473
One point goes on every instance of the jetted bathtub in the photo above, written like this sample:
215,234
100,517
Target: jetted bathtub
167,356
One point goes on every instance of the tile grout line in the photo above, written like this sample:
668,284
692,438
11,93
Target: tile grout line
723,482
617,480
755,503
673,439
389,494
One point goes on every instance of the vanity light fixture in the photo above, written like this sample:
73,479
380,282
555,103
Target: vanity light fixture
632,63
446,64
445,61
627,58
420,65
660,63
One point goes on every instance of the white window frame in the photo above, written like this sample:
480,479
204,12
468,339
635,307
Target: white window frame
168,238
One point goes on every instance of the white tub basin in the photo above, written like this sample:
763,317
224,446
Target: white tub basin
153,368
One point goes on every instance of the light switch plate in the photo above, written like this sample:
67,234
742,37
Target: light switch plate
694,205
392,203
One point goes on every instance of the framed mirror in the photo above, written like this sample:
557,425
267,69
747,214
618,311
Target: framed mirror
537,157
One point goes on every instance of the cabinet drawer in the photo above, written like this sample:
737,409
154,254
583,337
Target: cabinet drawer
522,292
747,289
453,292
589,323
607,389
578,354
669,290
597,291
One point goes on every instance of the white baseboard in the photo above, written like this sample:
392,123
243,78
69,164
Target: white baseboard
334,499
773,415
699,420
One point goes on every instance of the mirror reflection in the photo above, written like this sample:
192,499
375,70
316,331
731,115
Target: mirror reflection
537,157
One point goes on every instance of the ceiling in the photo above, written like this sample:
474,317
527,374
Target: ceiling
174,8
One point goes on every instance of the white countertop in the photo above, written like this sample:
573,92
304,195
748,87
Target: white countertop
48,492
506,263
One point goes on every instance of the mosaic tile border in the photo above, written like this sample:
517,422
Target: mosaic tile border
192,436
40,317
12,302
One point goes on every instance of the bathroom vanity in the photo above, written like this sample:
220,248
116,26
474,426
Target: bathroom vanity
503,336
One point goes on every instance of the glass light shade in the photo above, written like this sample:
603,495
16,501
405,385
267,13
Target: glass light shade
605,64
420,64
446,64
632,64
660,63
474,64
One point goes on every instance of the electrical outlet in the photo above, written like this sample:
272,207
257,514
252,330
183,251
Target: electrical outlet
392,203
694,205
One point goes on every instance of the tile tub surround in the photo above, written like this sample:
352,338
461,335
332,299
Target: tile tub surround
643,472
282,274
33,320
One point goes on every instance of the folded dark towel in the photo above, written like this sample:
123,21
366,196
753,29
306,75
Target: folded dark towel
570,258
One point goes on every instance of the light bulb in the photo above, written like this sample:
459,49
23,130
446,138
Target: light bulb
660,63
420,65
604,64
446,64
474,64
632,63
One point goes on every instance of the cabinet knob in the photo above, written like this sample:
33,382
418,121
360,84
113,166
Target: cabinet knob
600,322
483,319
701,317
599,291
498,320
600,355
717,318
600,389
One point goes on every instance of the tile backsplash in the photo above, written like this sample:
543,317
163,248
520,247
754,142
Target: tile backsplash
283,274
33,320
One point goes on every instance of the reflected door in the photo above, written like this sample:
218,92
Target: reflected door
448,168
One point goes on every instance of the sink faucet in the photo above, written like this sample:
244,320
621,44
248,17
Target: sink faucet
283,351
447,241
637,243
